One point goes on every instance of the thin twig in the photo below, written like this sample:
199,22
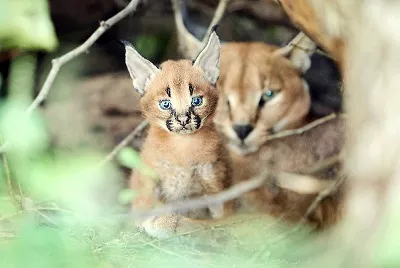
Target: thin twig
191,204
137,131
7,174
47,218
230,194
322,195
57,63
301,130
324,164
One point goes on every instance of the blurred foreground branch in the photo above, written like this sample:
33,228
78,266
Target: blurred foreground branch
239,189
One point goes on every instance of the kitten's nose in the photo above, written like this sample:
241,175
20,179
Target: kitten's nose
242,131
183,119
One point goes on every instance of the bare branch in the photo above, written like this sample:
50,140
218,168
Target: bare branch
219,13
57,63
322,195
301,130
137,131
306,185
189,45
324,164
191,204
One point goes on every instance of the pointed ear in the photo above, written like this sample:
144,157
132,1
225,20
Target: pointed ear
140,69
208,59
298,51
300,60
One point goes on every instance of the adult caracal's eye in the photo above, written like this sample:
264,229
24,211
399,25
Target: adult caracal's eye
165,104
197,101
266,96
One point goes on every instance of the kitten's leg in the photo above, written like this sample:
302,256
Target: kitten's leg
215,181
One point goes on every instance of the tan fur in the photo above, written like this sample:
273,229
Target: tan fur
286,193
248,70
190,162
295,154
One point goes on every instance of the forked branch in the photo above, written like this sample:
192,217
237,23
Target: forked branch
189,45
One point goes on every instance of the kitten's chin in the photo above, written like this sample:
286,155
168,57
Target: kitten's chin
242,149
185,131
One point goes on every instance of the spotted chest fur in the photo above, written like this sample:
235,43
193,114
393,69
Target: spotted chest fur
180,183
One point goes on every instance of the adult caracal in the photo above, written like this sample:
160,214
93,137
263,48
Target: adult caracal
258,97
262,87
179,101
262,91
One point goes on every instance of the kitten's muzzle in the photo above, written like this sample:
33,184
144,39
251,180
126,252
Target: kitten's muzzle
183,120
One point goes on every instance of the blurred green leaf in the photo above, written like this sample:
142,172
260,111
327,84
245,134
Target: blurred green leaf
147,45
26,135
130,158
44,247
126,196
26,24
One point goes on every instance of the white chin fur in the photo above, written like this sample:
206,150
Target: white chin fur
242,150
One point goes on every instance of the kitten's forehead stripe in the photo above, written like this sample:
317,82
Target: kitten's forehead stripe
191,89
168,90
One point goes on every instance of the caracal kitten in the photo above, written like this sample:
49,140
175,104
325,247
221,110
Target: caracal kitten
179,100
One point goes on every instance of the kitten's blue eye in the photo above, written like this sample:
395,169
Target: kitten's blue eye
165,104
197,101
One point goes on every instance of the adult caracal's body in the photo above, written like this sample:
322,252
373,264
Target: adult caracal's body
179,100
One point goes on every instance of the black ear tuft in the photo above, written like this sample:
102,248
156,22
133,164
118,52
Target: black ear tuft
214,28
124,43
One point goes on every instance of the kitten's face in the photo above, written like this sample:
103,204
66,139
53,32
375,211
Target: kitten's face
179,98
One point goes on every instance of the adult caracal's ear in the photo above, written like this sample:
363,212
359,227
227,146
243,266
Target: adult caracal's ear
298,51
208,58
140,69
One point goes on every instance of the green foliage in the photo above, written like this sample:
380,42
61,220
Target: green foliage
26,135
67,222
26,24
130,158
152,47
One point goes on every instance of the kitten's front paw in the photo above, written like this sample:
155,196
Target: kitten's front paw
164,226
